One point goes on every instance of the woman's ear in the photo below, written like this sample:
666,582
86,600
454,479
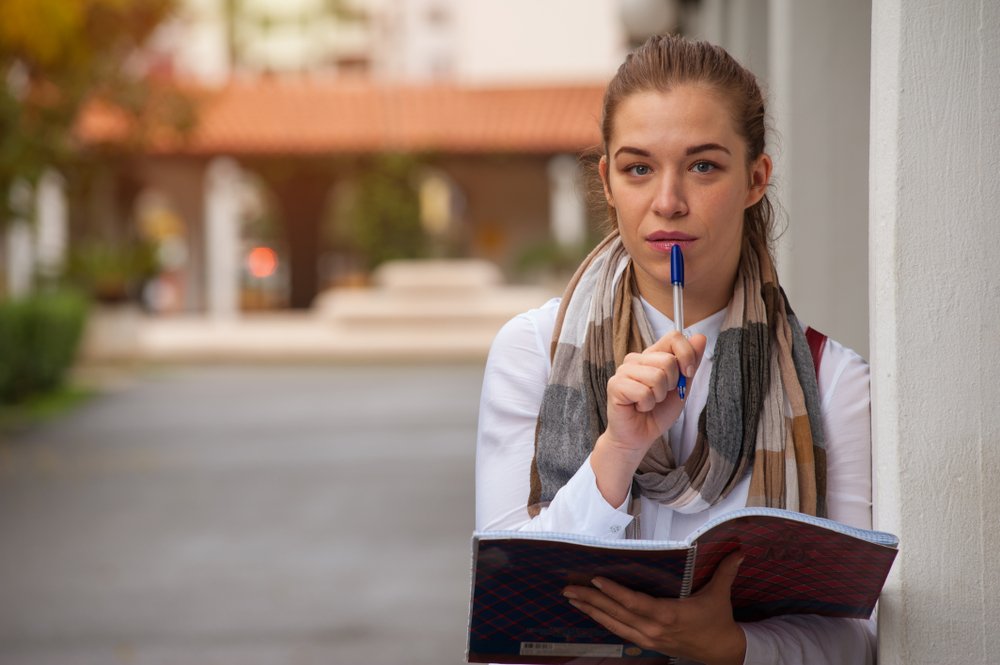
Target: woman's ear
602,168
760,177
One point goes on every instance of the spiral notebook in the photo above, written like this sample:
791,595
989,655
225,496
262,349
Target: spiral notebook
793,564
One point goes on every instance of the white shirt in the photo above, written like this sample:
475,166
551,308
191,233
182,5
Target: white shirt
517,372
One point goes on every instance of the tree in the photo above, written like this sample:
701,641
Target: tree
379,216
58,55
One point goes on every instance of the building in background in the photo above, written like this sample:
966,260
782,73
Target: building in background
480,42
516,201
493,102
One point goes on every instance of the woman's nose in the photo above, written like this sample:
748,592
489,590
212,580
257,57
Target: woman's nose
670,200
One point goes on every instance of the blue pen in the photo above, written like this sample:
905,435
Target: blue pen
677,279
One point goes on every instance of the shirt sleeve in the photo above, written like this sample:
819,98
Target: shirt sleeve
846,404
516,374
845,395
810,640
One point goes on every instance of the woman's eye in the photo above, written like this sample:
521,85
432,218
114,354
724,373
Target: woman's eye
703,167
638,169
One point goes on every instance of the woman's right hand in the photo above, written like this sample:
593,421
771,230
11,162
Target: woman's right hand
642,404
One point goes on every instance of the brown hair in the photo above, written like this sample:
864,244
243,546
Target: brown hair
665,61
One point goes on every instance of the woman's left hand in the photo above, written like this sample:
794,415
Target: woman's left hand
700,627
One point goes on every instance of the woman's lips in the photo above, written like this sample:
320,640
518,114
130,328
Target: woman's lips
662,242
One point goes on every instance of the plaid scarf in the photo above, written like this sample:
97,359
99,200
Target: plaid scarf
761,361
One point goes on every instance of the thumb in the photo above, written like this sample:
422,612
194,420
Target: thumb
724,576
699,342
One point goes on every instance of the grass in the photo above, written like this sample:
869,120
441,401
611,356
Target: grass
42,408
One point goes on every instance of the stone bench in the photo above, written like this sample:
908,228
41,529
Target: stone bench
429,294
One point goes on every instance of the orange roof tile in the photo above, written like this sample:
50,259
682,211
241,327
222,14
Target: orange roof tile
272,116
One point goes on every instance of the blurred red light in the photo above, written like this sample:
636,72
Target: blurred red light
262,262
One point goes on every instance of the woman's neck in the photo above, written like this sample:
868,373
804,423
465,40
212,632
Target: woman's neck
698,305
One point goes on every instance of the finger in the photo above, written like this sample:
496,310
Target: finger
665,361
687,351
631,358
635,602
627,391
620,628
659,374
625,605
628,608
661,359
668,342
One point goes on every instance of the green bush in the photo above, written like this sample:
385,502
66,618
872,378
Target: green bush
111,271
39,336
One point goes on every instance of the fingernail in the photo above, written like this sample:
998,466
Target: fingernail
569,594
689,371
597,583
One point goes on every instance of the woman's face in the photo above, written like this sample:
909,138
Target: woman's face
676,173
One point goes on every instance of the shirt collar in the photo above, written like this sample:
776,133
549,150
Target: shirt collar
661,324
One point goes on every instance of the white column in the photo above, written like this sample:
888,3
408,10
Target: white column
711,23
20,246
52,222
819,86
567,212
20,258
935,299
747,34
779,77
222,220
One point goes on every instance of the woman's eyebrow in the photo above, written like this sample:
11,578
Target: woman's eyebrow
632,151
704,147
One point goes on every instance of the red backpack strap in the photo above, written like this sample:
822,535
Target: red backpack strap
817,342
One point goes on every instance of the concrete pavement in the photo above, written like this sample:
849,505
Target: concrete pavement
244,515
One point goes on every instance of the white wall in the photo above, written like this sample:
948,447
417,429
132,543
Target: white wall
740,26
416,40
819,90
538,40
812,58
473,41
197,42
935,301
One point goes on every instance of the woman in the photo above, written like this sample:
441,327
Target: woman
582,428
